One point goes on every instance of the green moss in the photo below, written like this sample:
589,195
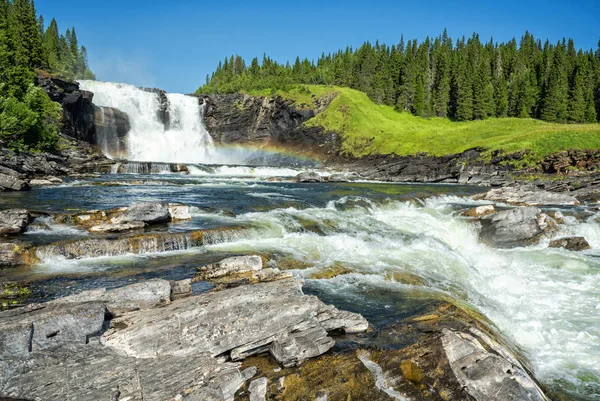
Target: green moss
367,128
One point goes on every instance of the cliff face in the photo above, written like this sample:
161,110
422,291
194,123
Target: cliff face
78,109
264,121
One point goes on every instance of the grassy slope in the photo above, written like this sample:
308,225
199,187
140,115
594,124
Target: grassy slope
368,128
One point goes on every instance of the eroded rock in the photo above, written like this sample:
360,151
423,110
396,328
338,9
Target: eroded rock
10,183
117,227
570,243
14,221
486,375
229,266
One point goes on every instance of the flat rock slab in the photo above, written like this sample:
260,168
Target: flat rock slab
528,197
93,373
162,350
148,212
570,243
242,321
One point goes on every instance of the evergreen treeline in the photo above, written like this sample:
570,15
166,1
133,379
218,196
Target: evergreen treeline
29,120
462,80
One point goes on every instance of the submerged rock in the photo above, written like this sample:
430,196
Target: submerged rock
14,221
570,243
308,177
515,227
522,196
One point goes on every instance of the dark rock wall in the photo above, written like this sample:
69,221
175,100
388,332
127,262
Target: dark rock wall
264,121
78,109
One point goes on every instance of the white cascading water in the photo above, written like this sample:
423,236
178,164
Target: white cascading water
184,140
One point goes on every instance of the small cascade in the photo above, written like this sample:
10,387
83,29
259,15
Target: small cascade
141,244
163,127
148,168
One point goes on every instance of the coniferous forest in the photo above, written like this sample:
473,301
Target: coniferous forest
463,80
29,120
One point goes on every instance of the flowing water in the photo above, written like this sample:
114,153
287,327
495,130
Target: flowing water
545,301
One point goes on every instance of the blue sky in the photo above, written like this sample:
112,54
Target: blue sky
174,44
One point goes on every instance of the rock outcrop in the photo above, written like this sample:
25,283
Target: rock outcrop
14,221
515,227
260,121
78,109
119,344
528,196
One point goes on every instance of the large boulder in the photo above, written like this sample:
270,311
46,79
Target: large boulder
10,183
147,212
522,196
14,221
515,227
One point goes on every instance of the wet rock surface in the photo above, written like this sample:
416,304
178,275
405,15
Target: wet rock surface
136,343
515,227
570,243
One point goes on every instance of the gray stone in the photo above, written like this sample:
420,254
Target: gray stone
515,227
179,211
39,327
181,289
37,182
116,227
139,296
94,373
148,212
308,177
528,197
242,321
14,221
338,177
233,265
570,243
485,375
10,183
258,389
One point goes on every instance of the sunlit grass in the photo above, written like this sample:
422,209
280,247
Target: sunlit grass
368,128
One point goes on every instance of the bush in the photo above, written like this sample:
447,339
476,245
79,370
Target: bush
32,123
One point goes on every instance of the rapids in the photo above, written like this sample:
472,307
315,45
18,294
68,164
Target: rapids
545,301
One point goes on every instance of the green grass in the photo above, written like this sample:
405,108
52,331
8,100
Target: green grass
367,128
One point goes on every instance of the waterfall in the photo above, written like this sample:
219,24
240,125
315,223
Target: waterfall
183,138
